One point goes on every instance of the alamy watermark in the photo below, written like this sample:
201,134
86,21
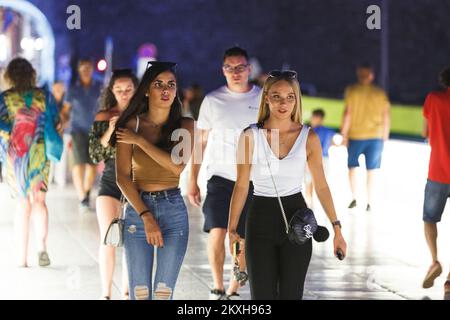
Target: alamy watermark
224,146
73,21
374,20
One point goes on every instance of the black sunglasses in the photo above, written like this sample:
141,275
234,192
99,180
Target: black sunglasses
288,74
162,65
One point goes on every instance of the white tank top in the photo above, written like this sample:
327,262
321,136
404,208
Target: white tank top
288,172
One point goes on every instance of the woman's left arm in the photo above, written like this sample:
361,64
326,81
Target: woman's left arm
5,121
181,153
314,154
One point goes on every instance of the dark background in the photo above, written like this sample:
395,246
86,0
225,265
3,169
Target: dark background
323,40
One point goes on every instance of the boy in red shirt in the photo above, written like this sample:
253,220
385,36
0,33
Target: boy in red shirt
437,117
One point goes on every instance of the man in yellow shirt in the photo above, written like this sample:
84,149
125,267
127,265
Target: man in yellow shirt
365,127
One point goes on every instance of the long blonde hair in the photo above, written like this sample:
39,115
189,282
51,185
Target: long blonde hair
264,112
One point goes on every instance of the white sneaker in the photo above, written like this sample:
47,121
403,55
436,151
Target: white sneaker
217,294
83,209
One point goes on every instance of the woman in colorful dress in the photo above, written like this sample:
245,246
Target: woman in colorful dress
24,109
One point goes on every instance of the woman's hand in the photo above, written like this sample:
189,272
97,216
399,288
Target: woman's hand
152,231
339,243
128,137
234,236
112,123
59,128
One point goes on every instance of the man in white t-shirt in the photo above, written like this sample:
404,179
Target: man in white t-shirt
224,113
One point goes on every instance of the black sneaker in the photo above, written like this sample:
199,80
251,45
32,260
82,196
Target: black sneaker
233,296
352,204
84,206
86,198
85,203
368,208
217,294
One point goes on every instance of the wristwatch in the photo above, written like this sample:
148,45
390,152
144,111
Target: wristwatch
337,223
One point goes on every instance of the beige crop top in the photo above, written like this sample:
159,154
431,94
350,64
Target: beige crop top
147,171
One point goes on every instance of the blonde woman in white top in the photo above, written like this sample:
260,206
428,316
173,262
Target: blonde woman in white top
277,268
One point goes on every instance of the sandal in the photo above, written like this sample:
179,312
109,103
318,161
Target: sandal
434,272
447,289
44,260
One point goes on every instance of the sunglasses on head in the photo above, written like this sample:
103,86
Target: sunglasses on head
162,65
288,74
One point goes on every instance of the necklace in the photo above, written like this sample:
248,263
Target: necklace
282,142
154,125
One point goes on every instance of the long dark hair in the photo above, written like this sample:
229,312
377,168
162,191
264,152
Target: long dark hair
107,98
139,105
444,77
21,75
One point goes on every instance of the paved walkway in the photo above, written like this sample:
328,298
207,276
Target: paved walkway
387,256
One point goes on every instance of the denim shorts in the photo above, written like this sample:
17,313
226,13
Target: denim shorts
370,148
170,213
436,195
108,185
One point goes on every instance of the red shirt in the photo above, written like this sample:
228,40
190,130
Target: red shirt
437,111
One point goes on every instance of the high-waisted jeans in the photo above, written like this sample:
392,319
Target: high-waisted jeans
171,215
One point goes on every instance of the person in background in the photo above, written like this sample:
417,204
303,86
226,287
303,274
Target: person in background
114,100
437,190
24,110
59,93
326,136
82,98
224,113
192,100
365,128
58,171
2,88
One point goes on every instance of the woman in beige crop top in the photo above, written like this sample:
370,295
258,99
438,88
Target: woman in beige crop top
148,166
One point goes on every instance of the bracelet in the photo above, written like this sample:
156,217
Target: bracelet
144,212
337,223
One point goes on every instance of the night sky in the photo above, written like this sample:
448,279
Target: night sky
322,40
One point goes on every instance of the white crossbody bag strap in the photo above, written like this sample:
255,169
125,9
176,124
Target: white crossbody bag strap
275,187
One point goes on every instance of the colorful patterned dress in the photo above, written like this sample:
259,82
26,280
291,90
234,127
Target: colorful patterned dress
22,147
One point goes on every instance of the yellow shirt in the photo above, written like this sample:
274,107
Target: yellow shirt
368,104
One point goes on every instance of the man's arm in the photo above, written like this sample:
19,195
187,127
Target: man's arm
425,129
425,112
200,142
387,121
346,121
65,114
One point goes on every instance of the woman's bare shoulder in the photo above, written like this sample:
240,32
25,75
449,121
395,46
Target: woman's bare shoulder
102,116
187,123
131,124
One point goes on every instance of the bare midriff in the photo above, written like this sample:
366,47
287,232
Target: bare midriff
148,175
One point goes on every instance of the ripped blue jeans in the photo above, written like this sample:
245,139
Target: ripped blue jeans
171,215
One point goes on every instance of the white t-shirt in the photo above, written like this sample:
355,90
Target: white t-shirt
226,113
288,172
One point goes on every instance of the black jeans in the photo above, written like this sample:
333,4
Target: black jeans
276,267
